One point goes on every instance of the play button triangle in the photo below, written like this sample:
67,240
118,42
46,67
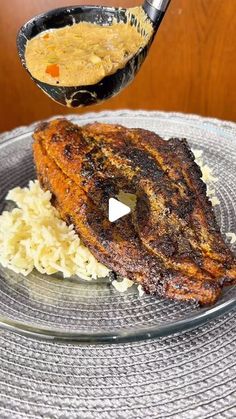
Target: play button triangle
117,210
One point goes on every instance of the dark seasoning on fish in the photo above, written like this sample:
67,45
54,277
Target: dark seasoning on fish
171,243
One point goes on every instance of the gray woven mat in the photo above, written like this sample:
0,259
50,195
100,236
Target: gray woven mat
189,375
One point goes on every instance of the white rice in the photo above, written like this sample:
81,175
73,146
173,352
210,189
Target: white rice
207,176
34,236
232,237
123,285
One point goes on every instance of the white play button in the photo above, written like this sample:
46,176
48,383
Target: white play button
117,210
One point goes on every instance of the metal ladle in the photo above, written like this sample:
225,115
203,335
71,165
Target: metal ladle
76,96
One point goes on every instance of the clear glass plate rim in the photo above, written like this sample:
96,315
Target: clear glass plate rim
182,117
122,336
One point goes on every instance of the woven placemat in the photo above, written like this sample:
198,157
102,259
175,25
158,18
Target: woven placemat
188,375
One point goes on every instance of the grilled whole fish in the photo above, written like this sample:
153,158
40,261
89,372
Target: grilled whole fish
170,243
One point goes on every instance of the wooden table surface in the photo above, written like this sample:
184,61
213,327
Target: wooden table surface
191,66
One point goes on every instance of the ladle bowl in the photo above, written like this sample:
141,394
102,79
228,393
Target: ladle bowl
76,96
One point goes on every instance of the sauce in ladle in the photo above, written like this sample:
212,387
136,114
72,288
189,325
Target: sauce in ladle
81,54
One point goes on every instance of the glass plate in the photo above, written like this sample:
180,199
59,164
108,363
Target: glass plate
93,312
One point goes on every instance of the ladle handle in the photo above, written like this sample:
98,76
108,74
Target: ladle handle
155,9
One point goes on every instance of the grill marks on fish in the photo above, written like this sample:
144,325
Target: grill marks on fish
171,243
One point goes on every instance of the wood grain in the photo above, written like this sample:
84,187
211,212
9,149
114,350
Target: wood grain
190,68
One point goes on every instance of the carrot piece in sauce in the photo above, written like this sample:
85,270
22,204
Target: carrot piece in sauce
53,70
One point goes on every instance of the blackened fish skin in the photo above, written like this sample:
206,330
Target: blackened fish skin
171,243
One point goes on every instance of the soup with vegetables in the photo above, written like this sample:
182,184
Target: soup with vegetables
81,54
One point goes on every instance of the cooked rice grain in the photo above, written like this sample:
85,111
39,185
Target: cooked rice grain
33,235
